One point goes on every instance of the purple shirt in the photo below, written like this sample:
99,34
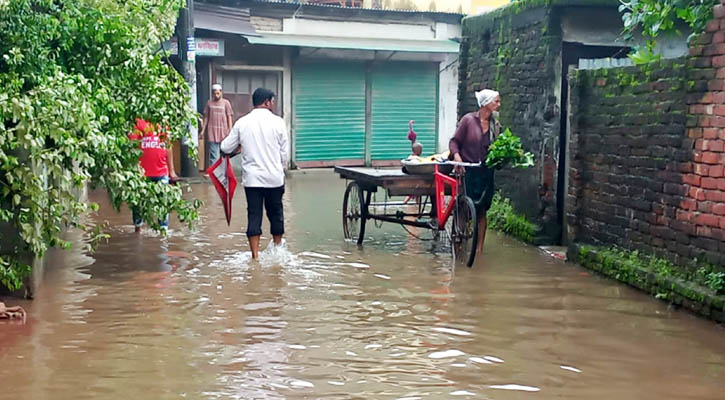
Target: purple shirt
470,141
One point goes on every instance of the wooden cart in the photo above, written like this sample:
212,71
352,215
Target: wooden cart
436,197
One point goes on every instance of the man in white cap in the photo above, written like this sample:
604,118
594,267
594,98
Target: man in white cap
475,133
217,121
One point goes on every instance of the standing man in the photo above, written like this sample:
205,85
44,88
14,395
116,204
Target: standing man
217,121
263,139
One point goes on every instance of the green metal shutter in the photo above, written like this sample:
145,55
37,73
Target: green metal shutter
329,111
402,92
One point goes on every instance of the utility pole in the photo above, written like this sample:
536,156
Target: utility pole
187,53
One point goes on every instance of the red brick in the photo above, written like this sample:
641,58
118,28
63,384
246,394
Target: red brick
601,82
697,193
702,170
712,26
705,207
720,74
717,171
705,122
709,157
719,110
722,222
718,122
718,11
685,168
716,84
696,51
709,183
692,180
718,37
708,220
709,133
714,145
697,156
721,185
717,98
714,49
688,216
718,61
699,145
721,135
704,231
696,133
688,204
714,195
719,209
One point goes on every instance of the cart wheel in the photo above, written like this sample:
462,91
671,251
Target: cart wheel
353,221
465,230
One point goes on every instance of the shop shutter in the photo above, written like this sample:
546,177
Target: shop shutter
402,92
329,111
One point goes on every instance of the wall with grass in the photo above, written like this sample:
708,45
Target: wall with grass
647,156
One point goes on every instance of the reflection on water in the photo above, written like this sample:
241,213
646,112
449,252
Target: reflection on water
192,316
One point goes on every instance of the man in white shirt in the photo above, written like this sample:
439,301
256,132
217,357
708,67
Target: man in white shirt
263,138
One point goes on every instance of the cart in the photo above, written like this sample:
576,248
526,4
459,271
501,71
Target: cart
440,205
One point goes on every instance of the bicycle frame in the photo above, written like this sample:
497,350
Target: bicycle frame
443,211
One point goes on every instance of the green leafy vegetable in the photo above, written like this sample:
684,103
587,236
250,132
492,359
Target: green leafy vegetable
506,151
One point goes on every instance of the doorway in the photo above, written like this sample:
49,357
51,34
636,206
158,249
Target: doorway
238,87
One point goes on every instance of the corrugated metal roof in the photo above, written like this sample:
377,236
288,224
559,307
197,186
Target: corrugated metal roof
353,43
223,19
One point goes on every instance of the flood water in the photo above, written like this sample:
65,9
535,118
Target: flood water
190,316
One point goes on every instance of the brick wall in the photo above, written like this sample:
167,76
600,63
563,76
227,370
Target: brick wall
517,55
647,150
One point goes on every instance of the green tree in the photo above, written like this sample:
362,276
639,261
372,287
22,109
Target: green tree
74,74
651,18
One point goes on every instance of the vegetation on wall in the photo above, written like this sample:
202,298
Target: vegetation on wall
74,74
502,217
624,265
652,18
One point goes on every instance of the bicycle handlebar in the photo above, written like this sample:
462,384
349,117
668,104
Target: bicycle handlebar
464,164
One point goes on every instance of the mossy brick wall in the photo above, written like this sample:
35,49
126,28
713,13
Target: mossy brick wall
647,152
516,53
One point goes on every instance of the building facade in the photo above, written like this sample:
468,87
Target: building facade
348,80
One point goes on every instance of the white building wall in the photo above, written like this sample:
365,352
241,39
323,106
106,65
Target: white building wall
447,100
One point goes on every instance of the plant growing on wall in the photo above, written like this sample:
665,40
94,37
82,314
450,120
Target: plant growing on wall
74,74
652,18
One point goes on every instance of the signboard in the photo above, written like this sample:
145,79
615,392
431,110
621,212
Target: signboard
204,47
190,49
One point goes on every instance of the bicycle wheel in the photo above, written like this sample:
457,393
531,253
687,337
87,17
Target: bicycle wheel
353,220
465,229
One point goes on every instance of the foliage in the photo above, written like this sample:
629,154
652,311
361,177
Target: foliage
654,17
74,74
626,262
506,150
503,217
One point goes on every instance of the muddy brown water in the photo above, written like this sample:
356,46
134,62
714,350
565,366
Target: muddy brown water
189,316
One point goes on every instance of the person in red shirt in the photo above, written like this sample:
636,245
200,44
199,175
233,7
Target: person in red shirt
156,159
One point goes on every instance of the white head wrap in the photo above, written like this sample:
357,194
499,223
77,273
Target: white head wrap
486,96
216,86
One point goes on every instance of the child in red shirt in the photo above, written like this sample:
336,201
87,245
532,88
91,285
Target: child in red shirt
156,159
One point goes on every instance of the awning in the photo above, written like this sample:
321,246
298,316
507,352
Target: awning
353,43
223,19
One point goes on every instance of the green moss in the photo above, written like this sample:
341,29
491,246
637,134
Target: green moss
502,217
